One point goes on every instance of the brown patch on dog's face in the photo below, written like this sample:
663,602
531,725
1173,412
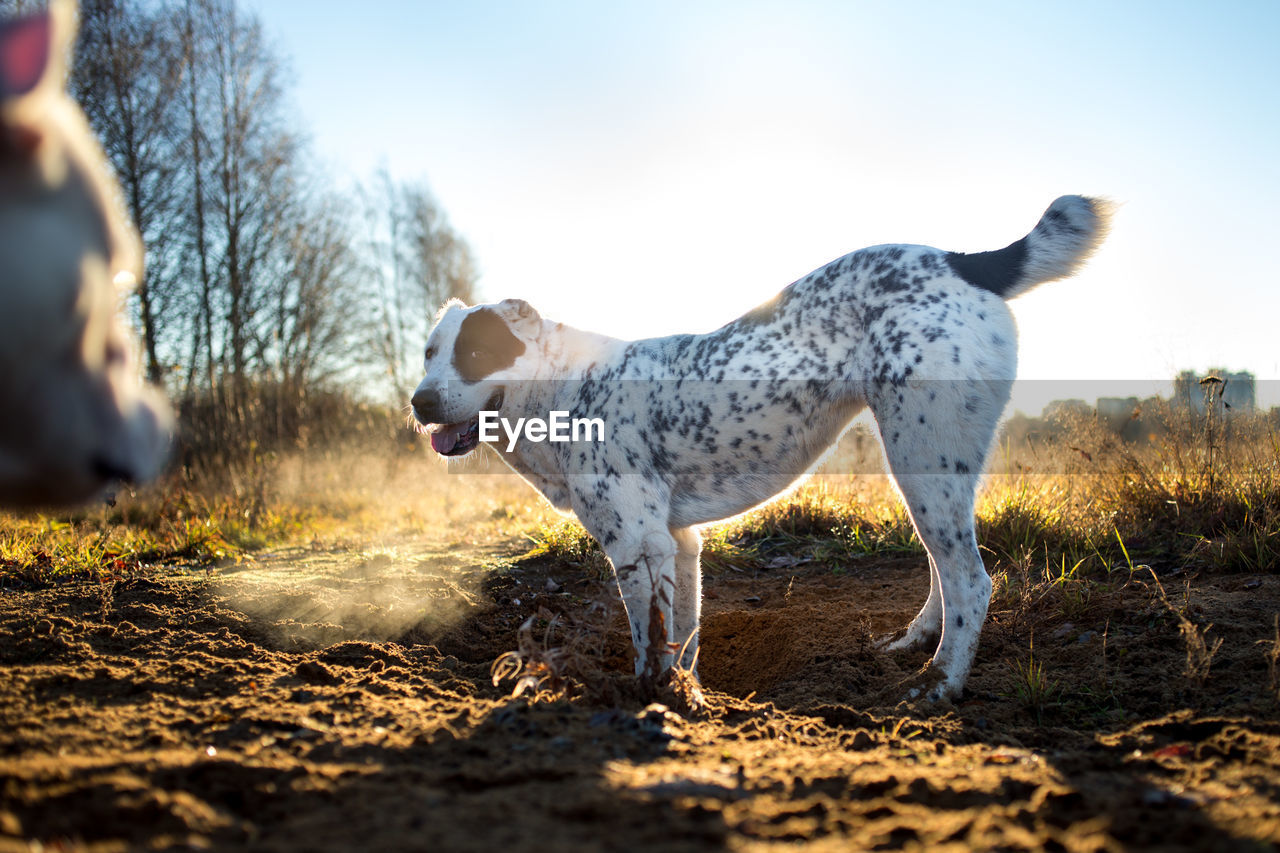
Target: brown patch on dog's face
484,346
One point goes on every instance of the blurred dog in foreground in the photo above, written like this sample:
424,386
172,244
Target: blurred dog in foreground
75,415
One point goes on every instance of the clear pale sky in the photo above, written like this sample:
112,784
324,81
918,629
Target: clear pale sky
659,167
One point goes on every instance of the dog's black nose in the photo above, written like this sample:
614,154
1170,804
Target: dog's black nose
426,405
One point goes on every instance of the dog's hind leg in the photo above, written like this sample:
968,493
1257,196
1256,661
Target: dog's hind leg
687,607
936,437
926,628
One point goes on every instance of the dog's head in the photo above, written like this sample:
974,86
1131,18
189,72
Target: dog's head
75,415
472,355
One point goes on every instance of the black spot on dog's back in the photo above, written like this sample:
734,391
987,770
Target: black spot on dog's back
484,346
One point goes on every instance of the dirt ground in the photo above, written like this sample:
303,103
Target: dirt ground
342,700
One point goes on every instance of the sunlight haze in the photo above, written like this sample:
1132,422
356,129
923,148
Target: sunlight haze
644,169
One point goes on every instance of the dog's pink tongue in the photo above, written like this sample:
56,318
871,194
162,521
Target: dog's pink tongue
446,437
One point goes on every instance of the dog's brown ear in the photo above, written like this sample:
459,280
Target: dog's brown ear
25,45
33,50
520,316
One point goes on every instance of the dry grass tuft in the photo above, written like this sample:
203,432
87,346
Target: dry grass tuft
1200,648
558,656
536,665
1272,652
1032,687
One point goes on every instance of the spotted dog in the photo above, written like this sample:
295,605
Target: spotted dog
703,427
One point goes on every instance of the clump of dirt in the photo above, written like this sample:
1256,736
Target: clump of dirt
322,700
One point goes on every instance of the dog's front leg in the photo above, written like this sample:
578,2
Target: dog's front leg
628,516
645,568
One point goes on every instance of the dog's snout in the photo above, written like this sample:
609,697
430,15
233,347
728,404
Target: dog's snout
426,406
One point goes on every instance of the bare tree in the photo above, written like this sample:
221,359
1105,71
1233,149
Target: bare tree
253,194
417,263
242,156
318,334
440,261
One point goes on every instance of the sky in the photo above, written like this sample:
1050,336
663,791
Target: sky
649,168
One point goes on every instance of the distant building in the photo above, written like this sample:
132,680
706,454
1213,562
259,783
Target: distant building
1063,408
1238,391
1136,420
1115,412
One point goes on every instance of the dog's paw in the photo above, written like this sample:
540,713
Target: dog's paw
928,686
930,695
680,690
907,638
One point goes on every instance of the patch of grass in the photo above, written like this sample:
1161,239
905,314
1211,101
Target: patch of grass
567,541
1195,493
1075,519
1087,507
1108,508
823,520
1271,648
1075,593
1025,517
1200,648
325,498
1028,594
172,525
1031,686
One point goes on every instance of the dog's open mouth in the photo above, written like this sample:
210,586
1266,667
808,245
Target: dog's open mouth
461,439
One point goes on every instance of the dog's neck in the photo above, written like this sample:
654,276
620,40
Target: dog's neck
572,352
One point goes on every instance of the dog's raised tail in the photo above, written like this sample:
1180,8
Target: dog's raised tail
1064,238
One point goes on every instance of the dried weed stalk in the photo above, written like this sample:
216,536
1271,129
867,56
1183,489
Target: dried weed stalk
561,659
1272,652
1200,649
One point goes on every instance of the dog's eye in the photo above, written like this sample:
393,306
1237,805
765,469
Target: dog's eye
478,353
430,354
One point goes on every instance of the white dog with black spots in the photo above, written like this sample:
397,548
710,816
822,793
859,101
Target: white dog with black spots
699,428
